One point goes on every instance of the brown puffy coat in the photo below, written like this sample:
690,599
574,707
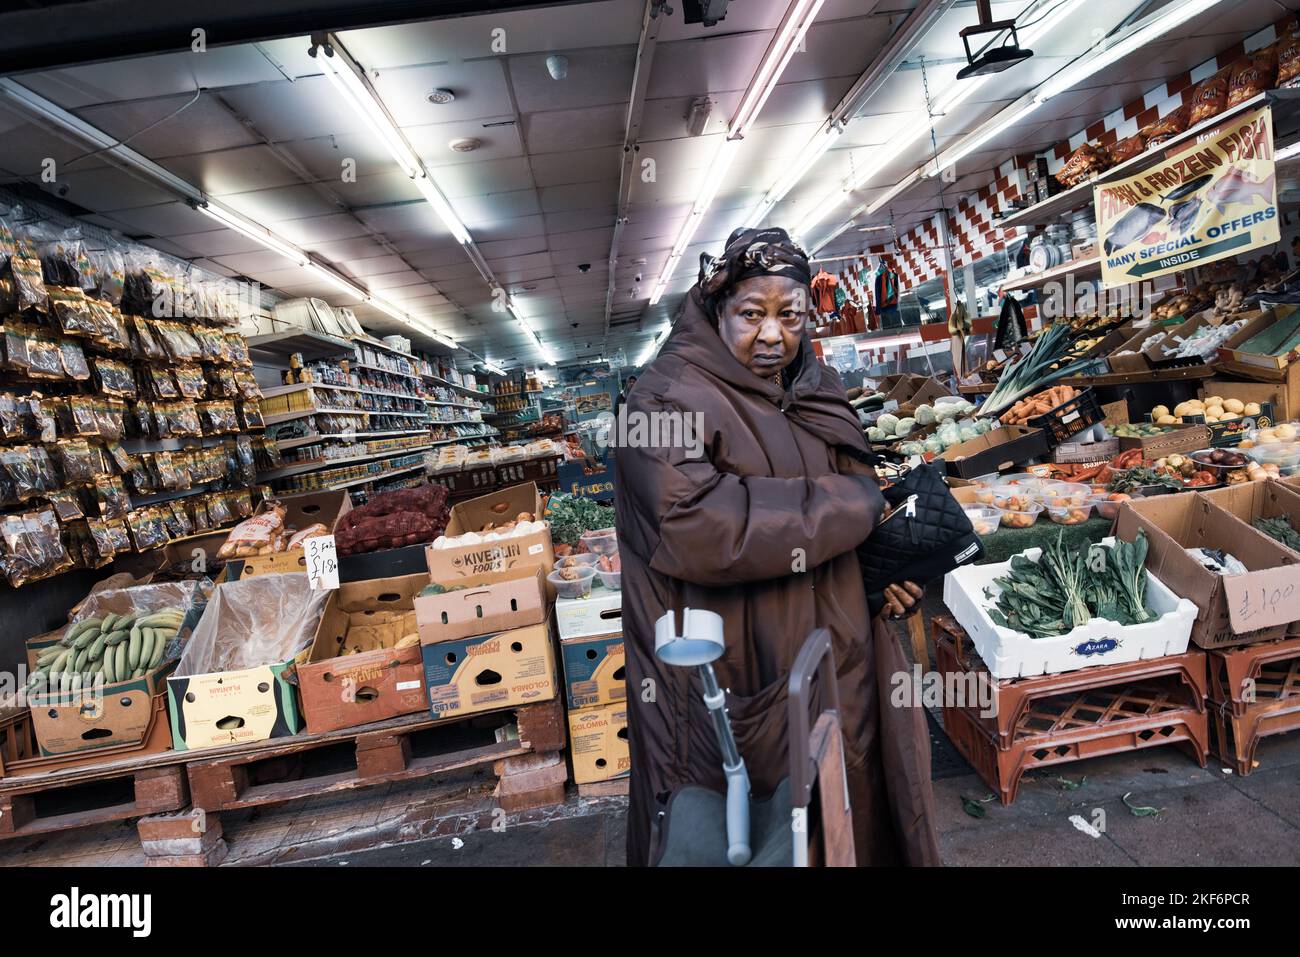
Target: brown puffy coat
730,532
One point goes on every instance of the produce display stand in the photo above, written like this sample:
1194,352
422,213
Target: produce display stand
1269,673
1056,719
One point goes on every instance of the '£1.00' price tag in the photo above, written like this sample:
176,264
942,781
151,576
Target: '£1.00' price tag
322,561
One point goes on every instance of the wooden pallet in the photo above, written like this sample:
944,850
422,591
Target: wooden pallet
99,796
618,787
401,749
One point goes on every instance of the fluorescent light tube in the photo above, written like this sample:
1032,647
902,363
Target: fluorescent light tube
789,36
810,154
254,232
334,279
971,143
1169,17
440,205
364,102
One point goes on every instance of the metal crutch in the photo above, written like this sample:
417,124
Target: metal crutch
698,646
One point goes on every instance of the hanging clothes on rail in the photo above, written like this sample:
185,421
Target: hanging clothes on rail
823,291
885,293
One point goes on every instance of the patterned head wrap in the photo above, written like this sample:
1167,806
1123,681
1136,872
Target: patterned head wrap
752,252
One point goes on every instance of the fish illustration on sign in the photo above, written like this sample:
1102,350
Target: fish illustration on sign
1186,189
1239,188
1134,224
1184,214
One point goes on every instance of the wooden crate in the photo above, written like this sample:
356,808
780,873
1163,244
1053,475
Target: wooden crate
1254,694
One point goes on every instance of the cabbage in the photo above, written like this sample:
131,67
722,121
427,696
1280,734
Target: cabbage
934,444
968,431
889,423
904,426
924,415
876,434
983,425
911,448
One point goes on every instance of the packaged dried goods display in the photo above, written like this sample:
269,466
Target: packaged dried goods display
31,547
1252,75
1210,99
73,360
1166,127
114,377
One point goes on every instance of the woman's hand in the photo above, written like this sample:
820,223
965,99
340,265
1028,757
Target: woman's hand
903,599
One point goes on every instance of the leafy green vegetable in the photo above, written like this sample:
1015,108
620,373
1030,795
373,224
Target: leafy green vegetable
1281,529
571,515
1139,810
1066,587
1139,476
1043,364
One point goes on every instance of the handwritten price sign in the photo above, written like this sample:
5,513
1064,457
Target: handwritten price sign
322,561
1262,599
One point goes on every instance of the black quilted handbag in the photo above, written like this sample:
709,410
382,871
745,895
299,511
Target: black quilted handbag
926,535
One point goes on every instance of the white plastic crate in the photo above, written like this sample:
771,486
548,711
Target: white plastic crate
1013,654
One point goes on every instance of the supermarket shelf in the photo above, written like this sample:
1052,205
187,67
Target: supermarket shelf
299,467
1077,267
455,422
135,446
342,436
279,417
438,380
312,345
352,364
1285,103
374,478
508,394
385,347
454,405
303,386
466,438
420,415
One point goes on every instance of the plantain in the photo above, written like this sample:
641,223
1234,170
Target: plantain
76,628
159,646
80,659
97,647
116,638
133,651
49,656
107,624
106,666
119,661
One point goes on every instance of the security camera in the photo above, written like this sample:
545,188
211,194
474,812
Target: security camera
637,279
557,66
584,267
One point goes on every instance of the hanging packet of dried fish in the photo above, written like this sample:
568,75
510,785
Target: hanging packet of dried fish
71,310
73,360
115,377
31,547
66,504
29,281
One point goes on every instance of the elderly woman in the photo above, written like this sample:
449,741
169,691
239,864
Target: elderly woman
760,528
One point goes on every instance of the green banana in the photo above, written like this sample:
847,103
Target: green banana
119,661
110,673
80,660
116,638
107,624
97,647
49,656
133,651
76,628
159,646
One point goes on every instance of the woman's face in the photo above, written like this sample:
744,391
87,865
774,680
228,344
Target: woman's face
762,321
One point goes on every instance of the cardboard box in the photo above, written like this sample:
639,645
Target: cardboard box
483,604
41,642
929,390
995,451
261,701
594,671
1254,500
468,675
301,511
122,713
448,564
1232,432
234,705
354,674
1154,351
1232,609
1271,366
1182,438
598,743
600,613
1275,394
1137,361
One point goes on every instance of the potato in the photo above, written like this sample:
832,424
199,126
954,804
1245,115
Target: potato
1213,400
1286,432
1165,419
1182,409
1234,405
1159,412
1252,408
1228,416
1211,417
